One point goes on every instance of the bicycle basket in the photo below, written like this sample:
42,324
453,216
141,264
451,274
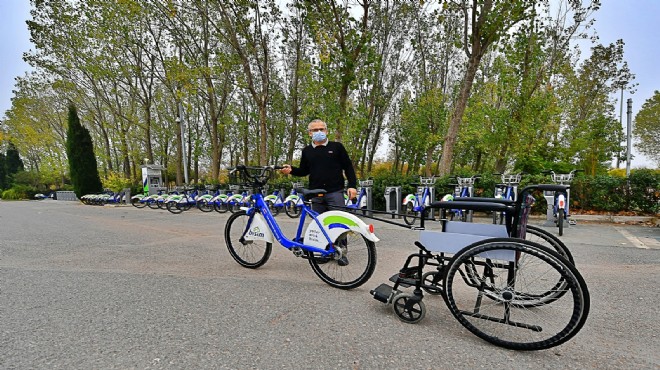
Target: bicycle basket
366,183
511,179
425,181
465,181
562,177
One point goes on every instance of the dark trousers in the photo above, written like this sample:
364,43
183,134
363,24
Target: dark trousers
335,199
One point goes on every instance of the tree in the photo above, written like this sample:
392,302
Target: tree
82,162
13,162
3,173
647,127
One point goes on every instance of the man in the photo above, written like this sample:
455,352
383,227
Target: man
326,162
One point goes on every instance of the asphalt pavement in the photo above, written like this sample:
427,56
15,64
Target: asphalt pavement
105,287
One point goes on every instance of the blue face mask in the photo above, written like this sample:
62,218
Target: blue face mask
319,136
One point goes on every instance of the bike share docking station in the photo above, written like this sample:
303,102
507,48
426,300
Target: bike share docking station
393,201
152,179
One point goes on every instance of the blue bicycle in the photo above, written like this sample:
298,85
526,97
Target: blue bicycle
414,204
361,201
560,208
507,189
339,246
464,188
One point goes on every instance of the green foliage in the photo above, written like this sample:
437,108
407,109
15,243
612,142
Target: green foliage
18,192
82,162
647,127
116,182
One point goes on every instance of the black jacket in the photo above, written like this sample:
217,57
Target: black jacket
326,167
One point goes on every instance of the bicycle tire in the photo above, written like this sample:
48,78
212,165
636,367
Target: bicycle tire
175,207
291,209
560,221
409,215
250,254
137,203
273,209
220,207
153,204
205,206
513,328
361,254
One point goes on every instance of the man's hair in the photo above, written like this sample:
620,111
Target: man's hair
309,125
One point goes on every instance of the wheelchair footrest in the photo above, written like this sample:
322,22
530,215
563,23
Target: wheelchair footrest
403,281
382,293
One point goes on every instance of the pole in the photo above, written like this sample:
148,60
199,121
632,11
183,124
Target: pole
183,144
618,156
629,130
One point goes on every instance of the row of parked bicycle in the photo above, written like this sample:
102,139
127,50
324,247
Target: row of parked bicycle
413,206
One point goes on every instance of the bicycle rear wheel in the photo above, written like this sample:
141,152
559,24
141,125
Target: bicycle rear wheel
248,253
560,221
512,272
361,255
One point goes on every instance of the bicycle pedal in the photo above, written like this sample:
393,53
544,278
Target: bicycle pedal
297,251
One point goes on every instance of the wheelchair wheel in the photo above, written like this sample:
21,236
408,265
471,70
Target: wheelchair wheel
431,282
408,308
540,236
512,272
248,253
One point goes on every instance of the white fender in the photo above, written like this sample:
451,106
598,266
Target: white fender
408,199
293,198
336,223
561,201
259,230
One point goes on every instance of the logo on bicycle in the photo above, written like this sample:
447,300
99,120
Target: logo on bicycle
256,232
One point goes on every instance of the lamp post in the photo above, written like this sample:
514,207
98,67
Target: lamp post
629,137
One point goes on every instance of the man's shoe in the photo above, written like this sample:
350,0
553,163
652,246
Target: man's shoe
343,261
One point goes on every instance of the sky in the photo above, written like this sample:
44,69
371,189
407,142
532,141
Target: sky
634,21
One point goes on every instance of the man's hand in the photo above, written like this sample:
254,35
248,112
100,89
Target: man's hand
352,193
286,170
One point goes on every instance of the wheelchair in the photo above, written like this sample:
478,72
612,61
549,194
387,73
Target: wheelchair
499,284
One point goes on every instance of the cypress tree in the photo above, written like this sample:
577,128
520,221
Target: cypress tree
82,162
13,162
3,172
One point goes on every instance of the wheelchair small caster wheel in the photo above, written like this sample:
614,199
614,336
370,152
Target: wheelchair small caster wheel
431,282
408,308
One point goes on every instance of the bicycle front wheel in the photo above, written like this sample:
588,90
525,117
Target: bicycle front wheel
291,209
248,253
511,272
354,270
409,214
560,221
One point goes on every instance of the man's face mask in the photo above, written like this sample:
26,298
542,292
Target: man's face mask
319,136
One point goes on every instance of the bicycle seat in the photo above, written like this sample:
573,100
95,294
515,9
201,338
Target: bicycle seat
310,194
